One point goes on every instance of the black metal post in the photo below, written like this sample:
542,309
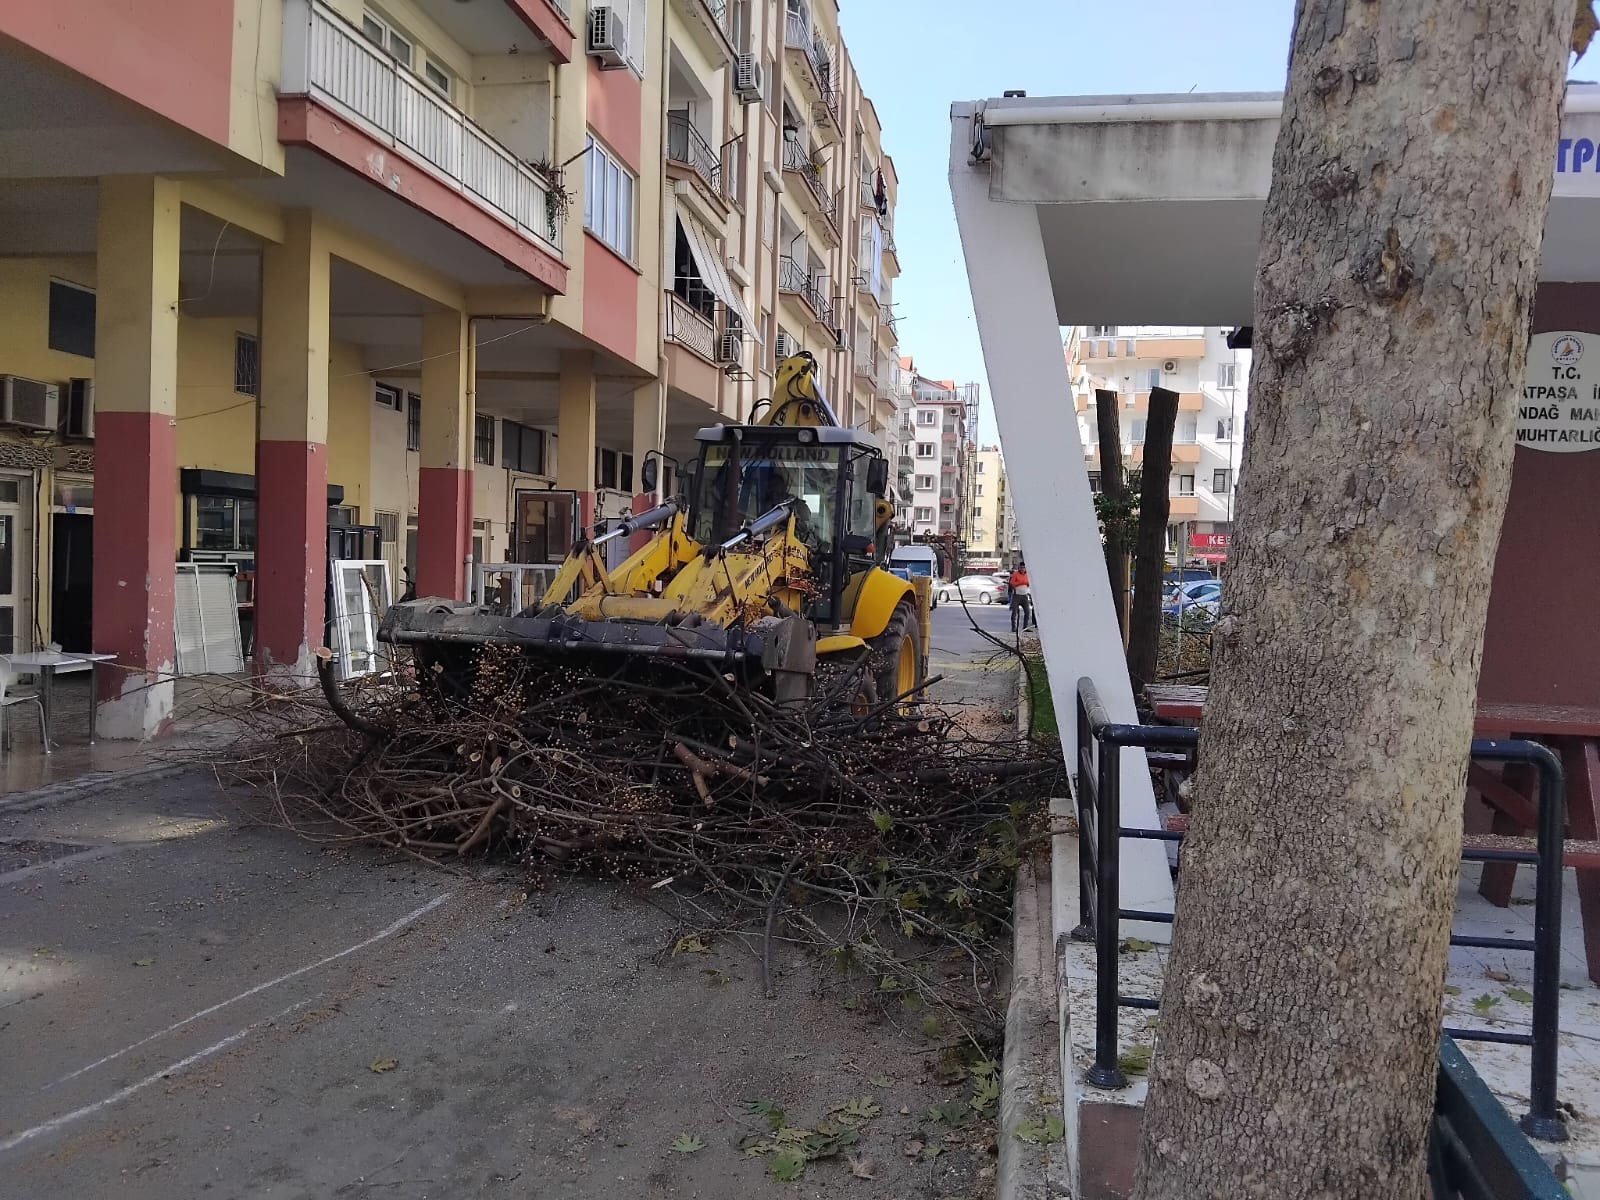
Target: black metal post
1544,1120
1108,892
1085,797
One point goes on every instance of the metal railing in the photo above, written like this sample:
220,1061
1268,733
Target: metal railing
689,327
564,8
328,59
797,158
1100,832
1475,1151
687,145
792,277
866,364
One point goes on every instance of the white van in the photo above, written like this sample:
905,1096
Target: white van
914,561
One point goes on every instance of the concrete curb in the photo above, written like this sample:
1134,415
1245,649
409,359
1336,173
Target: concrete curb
97,784
1030,1085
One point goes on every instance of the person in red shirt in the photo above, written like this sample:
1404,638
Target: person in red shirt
1021,598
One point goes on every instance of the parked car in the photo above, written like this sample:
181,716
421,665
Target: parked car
1196,598
984,589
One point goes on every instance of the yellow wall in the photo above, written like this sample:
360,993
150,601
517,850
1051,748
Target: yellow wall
24,331
350,409
216,425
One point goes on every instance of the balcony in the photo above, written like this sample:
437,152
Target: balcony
891,254
808,61
690,152
813,198
866,364
329,61
1187,454
1183,508
709,22
689,327
797,281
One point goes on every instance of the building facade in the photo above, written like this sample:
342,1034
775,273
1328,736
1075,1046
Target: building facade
989,535
1212,382
942,416
443,271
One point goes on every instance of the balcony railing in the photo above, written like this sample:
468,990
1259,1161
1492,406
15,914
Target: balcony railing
687,145
797,159
866,364
328,59
792,277
689,327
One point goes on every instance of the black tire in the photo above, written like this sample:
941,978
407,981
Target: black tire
942,598
885,650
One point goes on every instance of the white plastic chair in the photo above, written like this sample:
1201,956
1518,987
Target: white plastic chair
9,697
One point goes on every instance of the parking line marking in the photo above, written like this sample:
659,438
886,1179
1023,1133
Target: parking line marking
121,1094
414,915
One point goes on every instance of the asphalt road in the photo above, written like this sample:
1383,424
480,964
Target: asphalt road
194,1003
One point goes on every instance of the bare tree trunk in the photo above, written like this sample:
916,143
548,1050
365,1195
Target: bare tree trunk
1301,1011
1150,550
1105,411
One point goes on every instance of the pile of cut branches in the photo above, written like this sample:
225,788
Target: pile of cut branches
870,829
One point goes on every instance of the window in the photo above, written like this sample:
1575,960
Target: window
977,510
388,397
608,200
342,516
381,32
437,77
1152,377
605,468
980,486
1138,431
71,318
521,448
1225,375
246,365
981,466
1220,480
625,481
924,514
483,439
927,417
1094,482
1225,429
413,421
1185,485
924,482
925,449
1188,429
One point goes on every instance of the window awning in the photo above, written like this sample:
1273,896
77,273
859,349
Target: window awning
702,248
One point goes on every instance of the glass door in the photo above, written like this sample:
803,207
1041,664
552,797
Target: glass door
16,580
546,523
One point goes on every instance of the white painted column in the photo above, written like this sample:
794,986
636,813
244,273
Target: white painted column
1032,394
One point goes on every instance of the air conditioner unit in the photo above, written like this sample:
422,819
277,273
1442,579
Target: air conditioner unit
29,402
730,347
784,346
77,417
747,83
608,36
1169,366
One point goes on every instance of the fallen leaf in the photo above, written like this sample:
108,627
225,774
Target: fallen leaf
881,1081
1497,976
1135,1060
862,1168
788,1164
686,1143
912,1148
1136,945
690,943
1520,995
1485,1002
144,962
380,1065
768,1111
1451,989
856,1111
882,820
1043,1132
932,1151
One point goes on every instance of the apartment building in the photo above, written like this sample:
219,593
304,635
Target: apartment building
941,417
440,271
988,534
1212,383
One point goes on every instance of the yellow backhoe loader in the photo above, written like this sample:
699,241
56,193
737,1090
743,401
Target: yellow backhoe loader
769,562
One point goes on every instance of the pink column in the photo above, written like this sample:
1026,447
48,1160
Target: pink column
444,487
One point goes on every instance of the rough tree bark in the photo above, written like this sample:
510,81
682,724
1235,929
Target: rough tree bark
1105,411
1150,548
1399,248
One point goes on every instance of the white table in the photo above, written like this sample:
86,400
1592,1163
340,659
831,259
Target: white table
48,663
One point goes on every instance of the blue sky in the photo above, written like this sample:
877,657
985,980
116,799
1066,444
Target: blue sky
916,57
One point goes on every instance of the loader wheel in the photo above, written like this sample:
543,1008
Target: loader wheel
895,665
